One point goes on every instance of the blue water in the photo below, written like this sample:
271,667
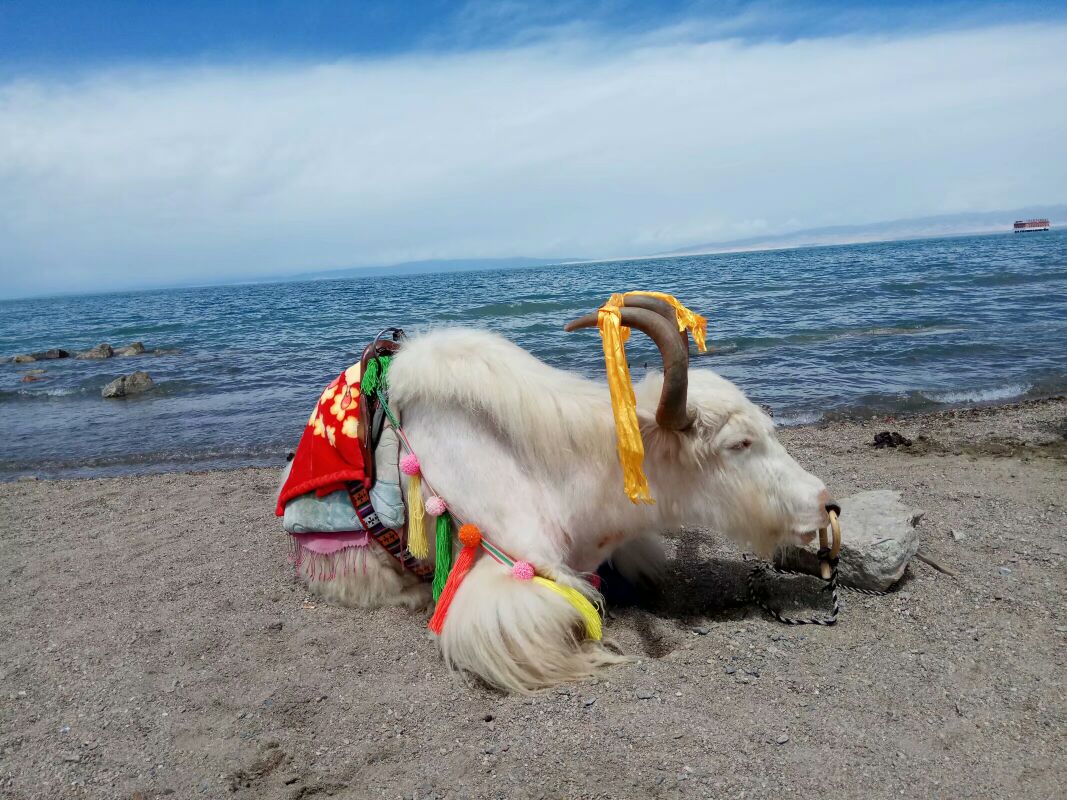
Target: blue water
849,330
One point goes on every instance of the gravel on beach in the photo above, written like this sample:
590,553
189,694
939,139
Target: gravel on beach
153,643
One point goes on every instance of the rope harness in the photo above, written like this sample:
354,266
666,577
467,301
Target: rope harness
829,556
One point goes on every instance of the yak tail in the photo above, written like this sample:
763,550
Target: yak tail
519,636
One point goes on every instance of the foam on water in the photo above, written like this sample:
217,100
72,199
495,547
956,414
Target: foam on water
990,395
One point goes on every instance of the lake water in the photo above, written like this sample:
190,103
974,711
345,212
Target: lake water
815,332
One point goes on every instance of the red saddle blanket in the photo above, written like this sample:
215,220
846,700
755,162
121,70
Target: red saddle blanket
331,450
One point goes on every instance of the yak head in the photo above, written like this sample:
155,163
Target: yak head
711,452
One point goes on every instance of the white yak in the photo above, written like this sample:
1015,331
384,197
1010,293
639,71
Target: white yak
528,453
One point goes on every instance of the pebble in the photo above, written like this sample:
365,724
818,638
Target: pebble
588,701
73,758
700,631
645,694
274,626
959,536
730,670
1061,629
782,738
1005,571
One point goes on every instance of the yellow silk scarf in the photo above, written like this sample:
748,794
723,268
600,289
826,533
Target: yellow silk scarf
613,334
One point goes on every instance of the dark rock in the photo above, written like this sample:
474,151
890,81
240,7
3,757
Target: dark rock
890,439
126,385
133,349
48,355
102,350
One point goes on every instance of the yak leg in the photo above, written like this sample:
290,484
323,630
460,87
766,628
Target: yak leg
640,561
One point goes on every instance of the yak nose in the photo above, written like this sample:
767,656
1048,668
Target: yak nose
828,504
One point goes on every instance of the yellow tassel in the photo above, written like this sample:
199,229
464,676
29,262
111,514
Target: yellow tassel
593,629
628,443
687,320
418,544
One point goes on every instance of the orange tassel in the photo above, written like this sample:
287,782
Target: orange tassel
471,539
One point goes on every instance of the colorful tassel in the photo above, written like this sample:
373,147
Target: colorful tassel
418,544
375,378
593,628
436,506
444,554
471,538
523,571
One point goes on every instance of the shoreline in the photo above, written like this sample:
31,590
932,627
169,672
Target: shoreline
156,643
267,460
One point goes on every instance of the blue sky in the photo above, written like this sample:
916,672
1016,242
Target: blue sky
37,34
148,143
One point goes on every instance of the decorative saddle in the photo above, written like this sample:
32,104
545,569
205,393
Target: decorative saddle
343,486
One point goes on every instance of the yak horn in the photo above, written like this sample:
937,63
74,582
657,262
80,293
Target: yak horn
665,310
672,412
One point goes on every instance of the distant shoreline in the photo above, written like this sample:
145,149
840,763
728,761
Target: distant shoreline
409,269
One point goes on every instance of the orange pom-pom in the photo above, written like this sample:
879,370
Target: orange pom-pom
470,535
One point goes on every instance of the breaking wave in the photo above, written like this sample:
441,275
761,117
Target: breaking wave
990,395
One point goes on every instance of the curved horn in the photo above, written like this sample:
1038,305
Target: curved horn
672,412
664,309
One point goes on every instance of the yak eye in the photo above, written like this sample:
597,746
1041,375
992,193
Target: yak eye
744,444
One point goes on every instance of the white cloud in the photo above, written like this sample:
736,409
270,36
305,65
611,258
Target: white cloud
577,147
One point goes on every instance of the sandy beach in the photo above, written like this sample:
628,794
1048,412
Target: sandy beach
154,643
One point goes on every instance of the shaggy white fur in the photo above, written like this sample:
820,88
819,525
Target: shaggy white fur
366,577
527,452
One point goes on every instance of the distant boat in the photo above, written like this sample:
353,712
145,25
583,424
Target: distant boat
1027,225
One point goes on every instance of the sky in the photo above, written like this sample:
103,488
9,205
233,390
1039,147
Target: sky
147,144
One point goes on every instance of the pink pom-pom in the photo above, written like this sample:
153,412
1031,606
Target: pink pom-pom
523,570
435,506
409,464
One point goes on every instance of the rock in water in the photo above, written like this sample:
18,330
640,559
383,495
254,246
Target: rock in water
878,539
102,350
133,349
53,353
24,358
124,386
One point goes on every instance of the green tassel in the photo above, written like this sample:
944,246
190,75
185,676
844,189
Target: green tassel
444,554
376,376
